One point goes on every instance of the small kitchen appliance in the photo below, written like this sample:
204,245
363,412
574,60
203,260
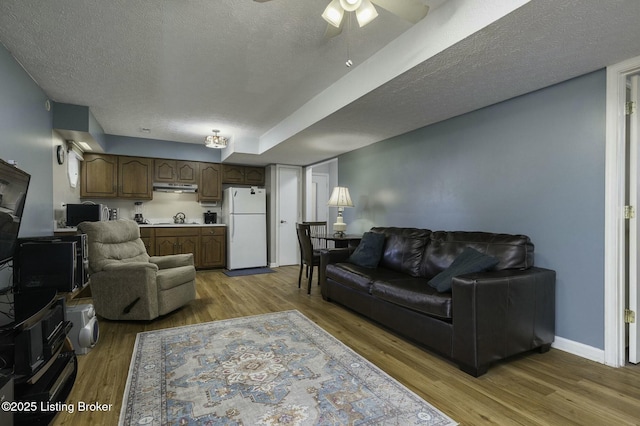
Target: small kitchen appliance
138,217
210,217
179,218
77,213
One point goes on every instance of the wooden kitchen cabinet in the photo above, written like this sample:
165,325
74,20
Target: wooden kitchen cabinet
112,176
175,171
213,245
135,178
254,176
242,175
207,243
99,176
210,182
147,235
178,241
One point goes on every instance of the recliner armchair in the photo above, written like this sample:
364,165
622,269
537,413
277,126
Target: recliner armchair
128,284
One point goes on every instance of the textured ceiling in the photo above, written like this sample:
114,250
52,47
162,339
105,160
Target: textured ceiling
182,68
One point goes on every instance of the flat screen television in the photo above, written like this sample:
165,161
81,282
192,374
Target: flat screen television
13,192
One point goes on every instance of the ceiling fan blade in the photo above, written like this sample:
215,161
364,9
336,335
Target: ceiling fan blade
411,10
332,31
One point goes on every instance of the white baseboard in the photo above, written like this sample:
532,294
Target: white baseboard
579,349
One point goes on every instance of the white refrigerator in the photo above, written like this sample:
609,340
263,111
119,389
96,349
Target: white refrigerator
244,213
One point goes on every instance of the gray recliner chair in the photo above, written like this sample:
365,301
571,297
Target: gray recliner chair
128,284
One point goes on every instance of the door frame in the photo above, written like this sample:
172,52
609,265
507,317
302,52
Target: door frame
614,227
298,170
312,215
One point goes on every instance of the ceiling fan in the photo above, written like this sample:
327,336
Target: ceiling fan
411,10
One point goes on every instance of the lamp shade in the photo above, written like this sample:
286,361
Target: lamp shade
340,197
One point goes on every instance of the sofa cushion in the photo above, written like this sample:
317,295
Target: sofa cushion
469,261
414,293
359,277
403,249
369,251
513,251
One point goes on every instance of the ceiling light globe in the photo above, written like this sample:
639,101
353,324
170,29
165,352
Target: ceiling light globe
350,5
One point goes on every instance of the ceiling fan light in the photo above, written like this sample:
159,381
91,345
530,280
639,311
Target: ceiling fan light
350,5
366,13
333,13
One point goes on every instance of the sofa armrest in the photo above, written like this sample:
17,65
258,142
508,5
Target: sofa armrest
501,313
328,256
129,266
172,260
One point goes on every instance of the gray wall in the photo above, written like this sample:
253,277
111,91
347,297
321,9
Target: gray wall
26,137
532,165
124,145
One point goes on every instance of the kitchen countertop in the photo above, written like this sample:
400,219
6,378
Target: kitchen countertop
73,229
178,225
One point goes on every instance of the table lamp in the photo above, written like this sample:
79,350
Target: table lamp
340,198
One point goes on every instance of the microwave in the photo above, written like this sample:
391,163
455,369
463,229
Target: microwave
77,213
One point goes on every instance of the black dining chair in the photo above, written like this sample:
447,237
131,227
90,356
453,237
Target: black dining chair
308,256
317,229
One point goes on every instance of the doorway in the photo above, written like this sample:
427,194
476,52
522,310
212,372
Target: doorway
632,230
288,213
617,165
320,197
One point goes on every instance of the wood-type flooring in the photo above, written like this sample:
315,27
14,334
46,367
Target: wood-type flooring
555,388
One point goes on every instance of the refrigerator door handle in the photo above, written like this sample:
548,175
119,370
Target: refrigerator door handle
233,228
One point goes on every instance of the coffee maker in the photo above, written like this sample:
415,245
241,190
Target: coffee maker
138,217
210,217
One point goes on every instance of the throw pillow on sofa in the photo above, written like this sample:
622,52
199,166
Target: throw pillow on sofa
369,251
467,262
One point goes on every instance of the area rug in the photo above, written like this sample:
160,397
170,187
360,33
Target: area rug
248,271
268,369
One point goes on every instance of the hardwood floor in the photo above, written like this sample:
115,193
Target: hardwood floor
555,388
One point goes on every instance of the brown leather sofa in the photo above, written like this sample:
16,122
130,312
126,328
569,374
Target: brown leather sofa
487,316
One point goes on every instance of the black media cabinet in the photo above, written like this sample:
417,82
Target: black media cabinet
36,352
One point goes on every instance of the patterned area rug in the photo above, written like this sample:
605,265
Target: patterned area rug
268,369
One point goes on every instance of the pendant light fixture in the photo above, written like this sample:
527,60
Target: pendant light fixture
215,141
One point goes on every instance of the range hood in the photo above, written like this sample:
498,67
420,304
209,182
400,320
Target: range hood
174,187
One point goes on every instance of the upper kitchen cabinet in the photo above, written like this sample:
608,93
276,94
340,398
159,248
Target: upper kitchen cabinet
210,182
254,176
112,176
99,176
242,175
175,171
135,178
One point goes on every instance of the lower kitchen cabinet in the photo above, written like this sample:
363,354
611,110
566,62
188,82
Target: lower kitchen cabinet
147,235
207,243
213,247
178,241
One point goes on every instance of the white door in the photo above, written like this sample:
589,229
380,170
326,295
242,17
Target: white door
634,229
289,212
320,197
